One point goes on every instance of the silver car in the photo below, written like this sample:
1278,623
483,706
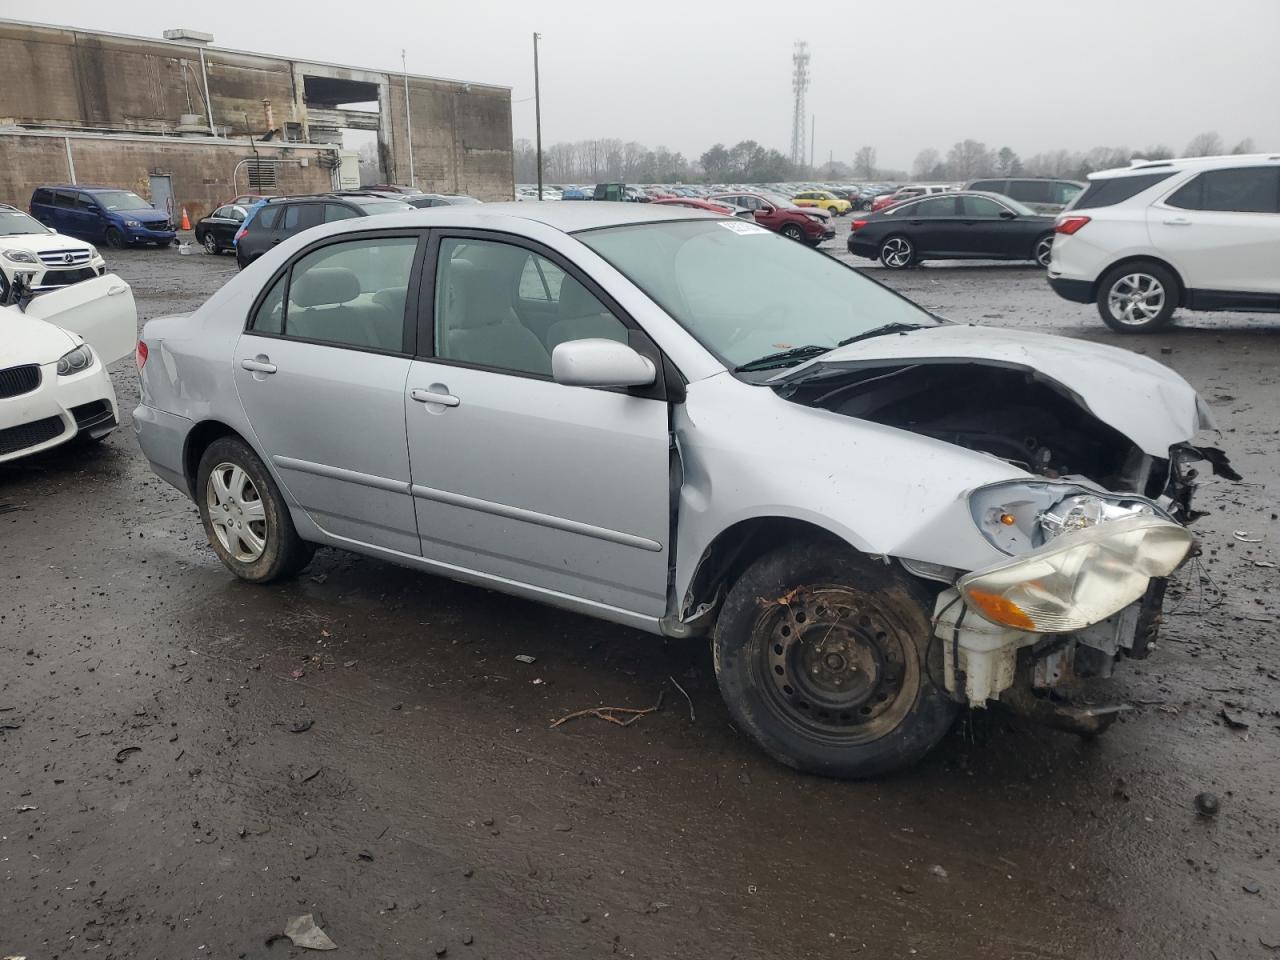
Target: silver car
689,425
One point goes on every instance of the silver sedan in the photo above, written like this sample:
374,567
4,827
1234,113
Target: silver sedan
688,425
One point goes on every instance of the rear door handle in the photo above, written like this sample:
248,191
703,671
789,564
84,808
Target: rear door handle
258,366
1178,222
427,396
116,291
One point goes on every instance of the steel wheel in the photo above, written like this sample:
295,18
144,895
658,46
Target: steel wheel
236,512
896,253
834,671
1136,299
210,243
1044,250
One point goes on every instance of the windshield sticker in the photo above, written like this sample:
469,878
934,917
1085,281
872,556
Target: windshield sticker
738,226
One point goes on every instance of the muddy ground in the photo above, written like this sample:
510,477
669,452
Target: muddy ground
154,800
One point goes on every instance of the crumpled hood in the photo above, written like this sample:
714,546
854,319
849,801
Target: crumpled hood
24,339
1142,399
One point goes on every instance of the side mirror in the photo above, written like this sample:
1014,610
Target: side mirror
600,363
1007,215
765,210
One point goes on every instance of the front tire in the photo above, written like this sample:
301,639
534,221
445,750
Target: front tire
115,239
210,243
792,232
1138,298
826,660
897,253
245,518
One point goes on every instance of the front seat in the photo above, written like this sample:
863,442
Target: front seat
323,307
582,317
480,327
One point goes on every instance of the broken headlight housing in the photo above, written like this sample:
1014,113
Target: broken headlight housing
1080,577
1019,516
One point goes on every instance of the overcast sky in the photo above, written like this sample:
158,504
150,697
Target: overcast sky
900,76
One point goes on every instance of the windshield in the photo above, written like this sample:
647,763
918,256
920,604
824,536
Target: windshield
14,223
121,200
745,292
373,207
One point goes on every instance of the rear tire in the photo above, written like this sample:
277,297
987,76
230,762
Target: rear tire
827,661
245,517
897,252
1042,251
1138,298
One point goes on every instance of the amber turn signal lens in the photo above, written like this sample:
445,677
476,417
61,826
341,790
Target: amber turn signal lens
1000,610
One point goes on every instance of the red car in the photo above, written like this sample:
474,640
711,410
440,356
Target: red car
780,215
694,203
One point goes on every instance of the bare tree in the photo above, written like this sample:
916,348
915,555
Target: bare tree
1207,144
925,163
864,163
1244,146
968,159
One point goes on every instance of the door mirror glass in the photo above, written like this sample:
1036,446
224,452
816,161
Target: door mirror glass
600,363
1007,215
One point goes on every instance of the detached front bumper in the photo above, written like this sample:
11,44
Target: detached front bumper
1097,589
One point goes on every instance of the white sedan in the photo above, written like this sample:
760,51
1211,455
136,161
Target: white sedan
54,352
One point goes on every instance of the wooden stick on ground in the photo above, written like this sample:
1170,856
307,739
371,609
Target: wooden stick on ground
608,713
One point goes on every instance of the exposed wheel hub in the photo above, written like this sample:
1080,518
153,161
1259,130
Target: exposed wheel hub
833,664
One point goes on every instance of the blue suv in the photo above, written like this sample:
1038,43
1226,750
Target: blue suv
109,214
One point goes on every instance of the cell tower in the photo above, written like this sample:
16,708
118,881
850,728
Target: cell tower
799,84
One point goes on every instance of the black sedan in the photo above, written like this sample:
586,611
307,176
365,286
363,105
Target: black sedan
217,231
953,226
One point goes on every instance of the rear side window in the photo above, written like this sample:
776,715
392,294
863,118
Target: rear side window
300,216
1242,190
940,206
1106,193
64,198
1029,191
268,218
42,196
990,186
349,294
336,211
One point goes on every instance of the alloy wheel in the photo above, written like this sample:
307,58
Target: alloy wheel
1136,299
1044,251
896,252
236,512
210,243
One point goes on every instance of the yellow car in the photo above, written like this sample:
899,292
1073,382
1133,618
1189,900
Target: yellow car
821,198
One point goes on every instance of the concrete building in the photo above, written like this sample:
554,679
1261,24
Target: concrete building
186,123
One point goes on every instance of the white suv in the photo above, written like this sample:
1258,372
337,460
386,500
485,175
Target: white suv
48,259
1200,233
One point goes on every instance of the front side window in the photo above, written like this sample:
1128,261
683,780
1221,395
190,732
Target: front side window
746,293
350,294
982,208
480,286
300,216
1242,190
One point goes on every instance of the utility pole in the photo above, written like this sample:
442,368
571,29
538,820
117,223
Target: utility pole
799,84
537,111
408,119
813,125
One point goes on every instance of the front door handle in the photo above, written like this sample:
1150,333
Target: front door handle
1178,222
258,365
429,396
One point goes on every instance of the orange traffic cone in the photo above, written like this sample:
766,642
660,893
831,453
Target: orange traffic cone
186,221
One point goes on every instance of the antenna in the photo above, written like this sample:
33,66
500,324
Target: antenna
799,84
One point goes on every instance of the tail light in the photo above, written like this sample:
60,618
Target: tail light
1069,225
140,355
240,234
856,225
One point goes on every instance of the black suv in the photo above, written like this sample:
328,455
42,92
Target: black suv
279,218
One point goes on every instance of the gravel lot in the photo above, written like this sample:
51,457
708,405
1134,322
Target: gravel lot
429,807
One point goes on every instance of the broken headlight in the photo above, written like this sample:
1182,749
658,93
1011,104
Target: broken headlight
1079,578
1022,515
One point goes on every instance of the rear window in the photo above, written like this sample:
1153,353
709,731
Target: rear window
1106,193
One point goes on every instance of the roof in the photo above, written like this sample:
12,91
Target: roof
1188,163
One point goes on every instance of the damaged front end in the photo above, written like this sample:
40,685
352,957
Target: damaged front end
1086,540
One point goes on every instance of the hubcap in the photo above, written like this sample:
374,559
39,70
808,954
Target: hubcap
236,512
836,669
1044,251
896,252
1136,299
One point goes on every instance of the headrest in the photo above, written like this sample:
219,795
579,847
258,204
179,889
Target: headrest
477,296
324,286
